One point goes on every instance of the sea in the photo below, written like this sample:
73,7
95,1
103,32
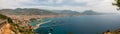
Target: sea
84,24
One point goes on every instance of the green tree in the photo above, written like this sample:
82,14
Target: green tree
117,3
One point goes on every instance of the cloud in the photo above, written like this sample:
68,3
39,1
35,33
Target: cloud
78,5
5,3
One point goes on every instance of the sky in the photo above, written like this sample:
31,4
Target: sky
76,5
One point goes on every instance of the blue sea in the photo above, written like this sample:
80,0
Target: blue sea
86,24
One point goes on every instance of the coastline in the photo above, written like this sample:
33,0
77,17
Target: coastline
38,25
24,20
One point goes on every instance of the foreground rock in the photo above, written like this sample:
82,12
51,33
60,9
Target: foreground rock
7,26
112,32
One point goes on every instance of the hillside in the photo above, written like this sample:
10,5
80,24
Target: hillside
26,11
66,12
10,27
33,11
91,12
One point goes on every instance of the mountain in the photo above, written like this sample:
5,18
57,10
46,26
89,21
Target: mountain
91,12
31,11
34,11
66,12
8,26
26,11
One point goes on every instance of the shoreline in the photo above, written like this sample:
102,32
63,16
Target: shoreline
24,20
38,25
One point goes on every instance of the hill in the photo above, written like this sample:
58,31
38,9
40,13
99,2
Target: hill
66,12
9,26
26,11
91,12
34,11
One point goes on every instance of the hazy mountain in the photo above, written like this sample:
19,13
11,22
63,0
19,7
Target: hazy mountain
27,11
31,11
91,12
66,12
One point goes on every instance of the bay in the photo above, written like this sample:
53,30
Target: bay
88,24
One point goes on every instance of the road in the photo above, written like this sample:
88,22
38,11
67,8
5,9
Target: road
2,23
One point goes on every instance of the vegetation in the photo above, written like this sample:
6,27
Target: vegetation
15,27
3,16
117,3
18,29
27,11
32,19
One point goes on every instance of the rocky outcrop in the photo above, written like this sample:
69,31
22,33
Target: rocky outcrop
117,31
7,26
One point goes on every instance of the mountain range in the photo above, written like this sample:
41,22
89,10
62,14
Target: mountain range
34,11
